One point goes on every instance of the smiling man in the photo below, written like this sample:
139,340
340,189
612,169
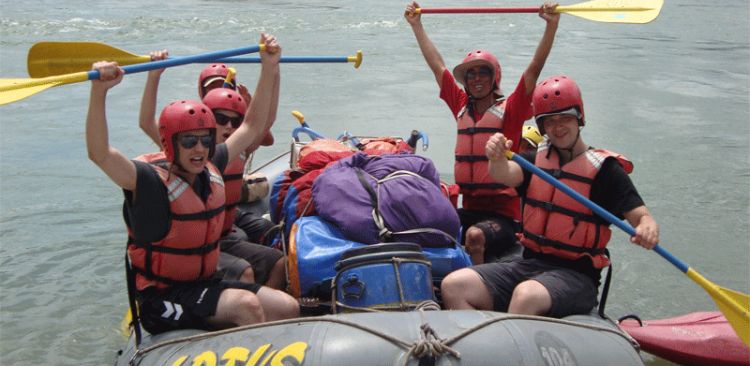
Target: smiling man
491,211
564,242
174,209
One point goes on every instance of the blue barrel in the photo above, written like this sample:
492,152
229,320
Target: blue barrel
392,276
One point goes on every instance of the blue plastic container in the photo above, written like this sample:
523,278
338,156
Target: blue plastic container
393,276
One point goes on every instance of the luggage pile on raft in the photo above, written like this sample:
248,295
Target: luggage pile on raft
355,212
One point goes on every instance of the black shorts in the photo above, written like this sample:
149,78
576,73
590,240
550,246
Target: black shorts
572,292
255,227
184,306
499,232
238,255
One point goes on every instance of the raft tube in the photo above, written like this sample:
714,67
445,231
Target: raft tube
463,337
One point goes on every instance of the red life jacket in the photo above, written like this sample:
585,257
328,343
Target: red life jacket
471,166
189,251
233,181
556,224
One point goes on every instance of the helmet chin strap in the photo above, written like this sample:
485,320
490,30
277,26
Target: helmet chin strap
570,148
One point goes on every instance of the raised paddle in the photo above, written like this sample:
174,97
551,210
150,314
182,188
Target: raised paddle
621,11
733,304
12,90
56,58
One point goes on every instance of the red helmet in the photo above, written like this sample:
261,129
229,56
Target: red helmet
557,95
228,99
474,58
185,115
211,73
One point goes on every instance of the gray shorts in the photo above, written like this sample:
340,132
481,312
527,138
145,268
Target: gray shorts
572,292
238,255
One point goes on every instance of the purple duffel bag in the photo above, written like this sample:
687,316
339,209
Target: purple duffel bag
375,199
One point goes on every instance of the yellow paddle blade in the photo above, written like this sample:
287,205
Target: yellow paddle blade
13,95
12,90
57,58
738,318
125,324
733,304
616,11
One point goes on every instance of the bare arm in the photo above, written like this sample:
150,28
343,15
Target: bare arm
531,75
146,118
500,168
118,167
429,51
257,120
646,228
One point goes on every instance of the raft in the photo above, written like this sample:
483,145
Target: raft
443,337
700,338
411,332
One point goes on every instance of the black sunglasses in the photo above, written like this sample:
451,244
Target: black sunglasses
484,72
189,141
223,119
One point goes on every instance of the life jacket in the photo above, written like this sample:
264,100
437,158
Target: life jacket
556,224
471,166
233,181
189,251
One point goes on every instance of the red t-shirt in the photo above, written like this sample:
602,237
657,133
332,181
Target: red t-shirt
517,110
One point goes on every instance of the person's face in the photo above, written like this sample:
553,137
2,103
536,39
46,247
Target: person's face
226,123
193,147
479,81
561,129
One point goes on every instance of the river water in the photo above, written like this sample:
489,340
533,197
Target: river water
672,95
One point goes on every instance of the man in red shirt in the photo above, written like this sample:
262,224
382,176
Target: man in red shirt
491,211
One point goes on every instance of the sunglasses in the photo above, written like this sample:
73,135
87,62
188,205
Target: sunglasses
223,119
189,141
483,73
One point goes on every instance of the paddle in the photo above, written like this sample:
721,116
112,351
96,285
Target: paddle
12,90
56,58
623,11
735,305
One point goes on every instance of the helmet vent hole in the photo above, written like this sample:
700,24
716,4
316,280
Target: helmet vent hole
557,92
191,111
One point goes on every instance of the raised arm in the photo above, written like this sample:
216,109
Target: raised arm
531,75
117,167
146,118
258,120
500,168
429,51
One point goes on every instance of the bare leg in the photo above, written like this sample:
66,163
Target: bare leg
464,289
531,298
277,277
247,276
475,244
277,304
237,307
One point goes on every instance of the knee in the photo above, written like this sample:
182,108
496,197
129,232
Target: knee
291,306
474,239
283,305
248,275
251,309
530,297
454,284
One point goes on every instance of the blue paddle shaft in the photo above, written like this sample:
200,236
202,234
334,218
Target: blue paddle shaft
287,59
612,219
177,61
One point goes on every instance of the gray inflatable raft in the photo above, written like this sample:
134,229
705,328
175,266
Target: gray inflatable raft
397,338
